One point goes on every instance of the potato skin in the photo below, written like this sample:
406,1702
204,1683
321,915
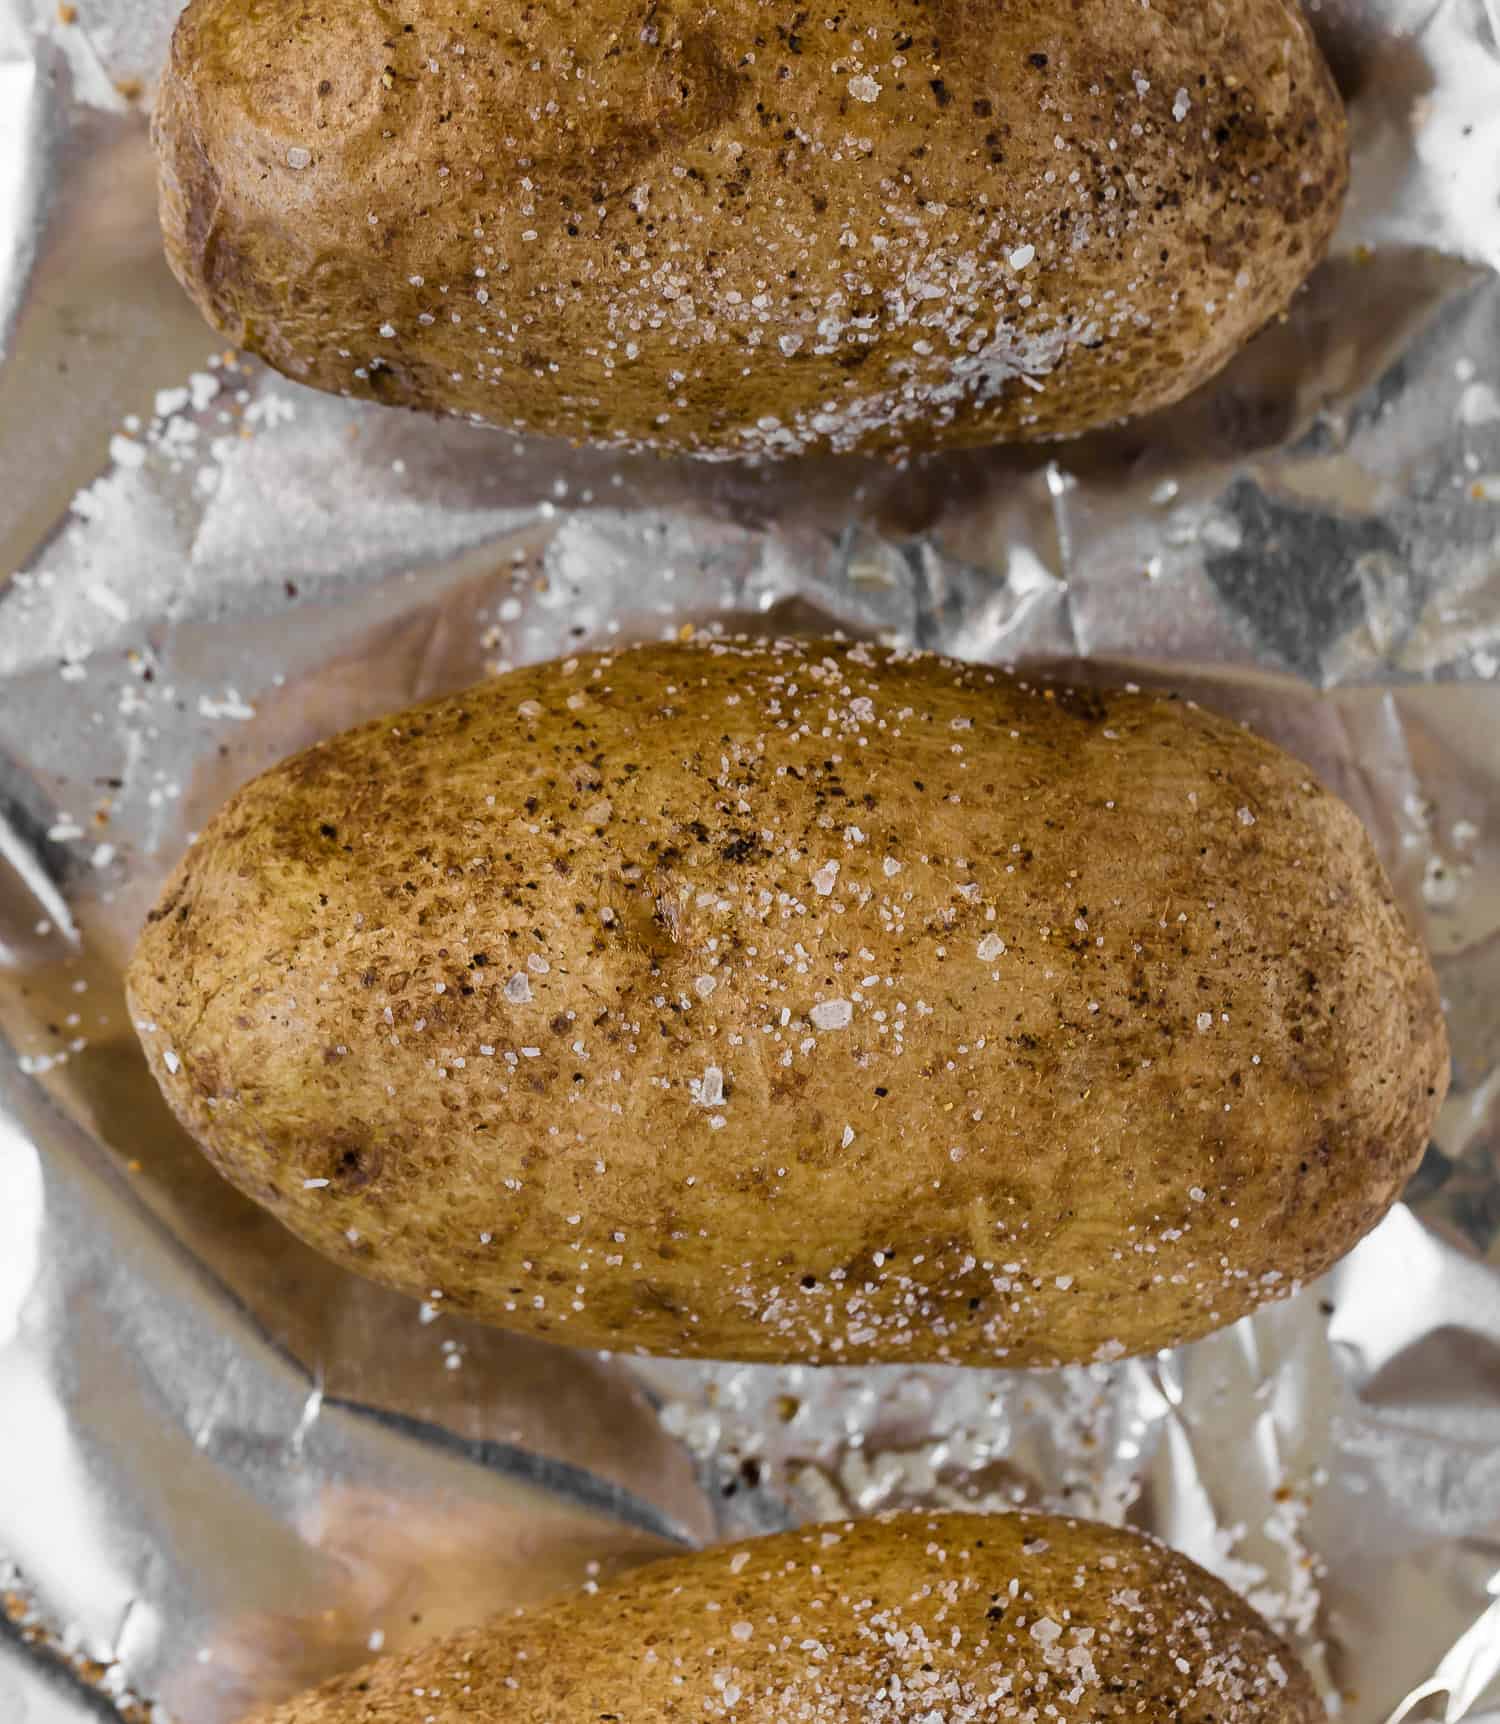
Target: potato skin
738,231
802,1002
903,1618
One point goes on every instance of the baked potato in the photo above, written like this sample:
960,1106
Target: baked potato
919,1617
801,1002
749,229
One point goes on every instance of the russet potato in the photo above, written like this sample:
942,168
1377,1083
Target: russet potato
907,1620
750,229
801,1002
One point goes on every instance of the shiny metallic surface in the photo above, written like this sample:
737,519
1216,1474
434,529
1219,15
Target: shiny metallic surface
228,1468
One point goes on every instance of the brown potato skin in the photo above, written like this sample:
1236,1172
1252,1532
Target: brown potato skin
1201,1069
837,1615
653,225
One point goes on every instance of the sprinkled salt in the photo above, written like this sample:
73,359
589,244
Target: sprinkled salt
1180,106
1021,258
298,158
518,990
832,1014
991,946
314,1184
864,88
823,880
1205,1020
171,1061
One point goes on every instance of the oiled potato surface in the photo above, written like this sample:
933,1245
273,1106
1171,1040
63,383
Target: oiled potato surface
750,228
801,1002
957,1618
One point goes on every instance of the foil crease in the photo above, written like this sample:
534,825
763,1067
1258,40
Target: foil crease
229,1469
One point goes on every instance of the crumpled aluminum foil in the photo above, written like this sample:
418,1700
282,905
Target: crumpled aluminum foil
227,1469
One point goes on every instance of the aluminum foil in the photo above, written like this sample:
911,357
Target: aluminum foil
227,1469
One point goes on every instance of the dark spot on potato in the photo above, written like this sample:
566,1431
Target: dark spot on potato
356,1164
